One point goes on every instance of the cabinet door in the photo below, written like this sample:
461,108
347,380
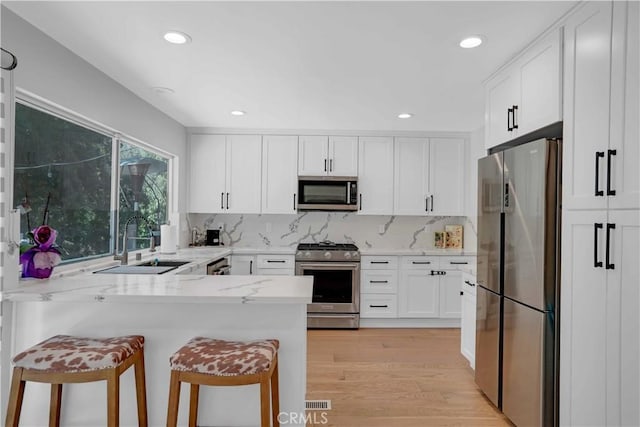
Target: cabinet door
625,113
540,73
244,171
586,105
468,322
411,183
313,155
450,297
418,294
243,265
375,179
500,95
623,321
207,172
446,176
343,155
279,174
583,329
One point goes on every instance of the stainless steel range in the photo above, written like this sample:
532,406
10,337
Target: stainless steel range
335,268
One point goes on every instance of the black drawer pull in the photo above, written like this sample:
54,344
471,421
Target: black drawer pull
378,281
379,306
469,283
458,262
379,262
438,273
281,261
420,262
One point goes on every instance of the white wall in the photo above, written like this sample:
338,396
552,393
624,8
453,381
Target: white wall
51,71
476,151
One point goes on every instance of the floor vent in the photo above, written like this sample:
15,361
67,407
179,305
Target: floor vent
314,405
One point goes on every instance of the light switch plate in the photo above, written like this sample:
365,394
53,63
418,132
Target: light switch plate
381,228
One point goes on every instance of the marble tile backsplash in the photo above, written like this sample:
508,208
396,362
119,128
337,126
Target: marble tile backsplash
384,232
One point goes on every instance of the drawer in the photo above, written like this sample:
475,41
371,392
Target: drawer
276,261
420,263
378,305
378,281
379,262
275,272
457,262
469,284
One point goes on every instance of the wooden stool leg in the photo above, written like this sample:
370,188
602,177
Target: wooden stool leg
113,398
15,399
265,419
275,395
174,399
193,405
54,405
141,390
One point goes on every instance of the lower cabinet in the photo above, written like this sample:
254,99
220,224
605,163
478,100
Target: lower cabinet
379,305
418,294
275,265
379,287
243,265
468,318
450,297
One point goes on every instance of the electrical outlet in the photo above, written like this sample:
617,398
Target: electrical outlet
381,228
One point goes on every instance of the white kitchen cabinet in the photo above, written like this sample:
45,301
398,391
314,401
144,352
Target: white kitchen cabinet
243,265
468,318
527,95
334,155
224,173
279,174
284,264
375,178
418,294
378,306
379,287
450,297
429,176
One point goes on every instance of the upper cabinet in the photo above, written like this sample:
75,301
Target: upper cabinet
334,155
375,180
279,174
527,95
225,173
429,176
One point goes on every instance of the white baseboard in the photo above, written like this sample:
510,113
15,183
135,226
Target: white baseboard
409,323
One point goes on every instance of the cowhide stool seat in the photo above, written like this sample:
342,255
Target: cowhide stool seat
67,359
207,361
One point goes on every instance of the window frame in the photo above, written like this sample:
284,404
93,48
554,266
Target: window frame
38,103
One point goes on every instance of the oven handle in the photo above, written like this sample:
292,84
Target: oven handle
327,266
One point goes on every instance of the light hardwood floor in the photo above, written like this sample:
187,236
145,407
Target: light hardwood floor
395,378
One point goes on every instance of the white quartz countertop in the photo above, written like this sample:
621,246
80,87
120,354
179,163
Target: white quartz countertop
166,288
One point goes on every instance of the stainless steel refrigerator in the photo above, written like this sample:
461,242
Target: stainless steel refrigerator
518,271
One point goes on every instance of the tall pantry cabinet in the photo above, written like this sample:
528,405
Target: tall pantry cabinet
600,298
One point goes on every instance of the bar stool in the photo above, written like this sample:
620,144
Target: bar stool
64,359
212,362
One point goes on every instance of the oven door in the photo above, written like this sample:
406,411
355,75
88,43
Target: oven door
336,286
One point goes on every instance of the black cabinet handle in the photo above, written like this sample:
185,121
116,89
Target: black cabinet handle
608,265
458,262
221,200
379,262
325,165
469,283
330,165
610,153
251,267
420,262
438,273
509,111
379,306
461,293
599,154
280,261
432,203
596,226
426,204
294,201
514,110
360,201
378,281
227,200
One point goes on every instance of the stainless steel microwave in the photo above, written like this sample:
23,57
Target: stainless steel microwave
327,193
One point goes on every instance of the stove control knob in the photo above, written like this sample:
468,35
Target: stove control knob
355,255
347,255
307,254
327,255
299,254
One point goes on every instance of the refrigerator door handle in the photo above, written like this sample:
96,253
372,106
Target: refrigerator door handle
506,195
599,154
596,226
608,265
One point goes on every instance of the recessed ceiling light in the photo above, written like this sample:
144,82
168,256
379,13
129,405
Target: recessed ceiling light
238,113
177,37
471,42
405,115
163,90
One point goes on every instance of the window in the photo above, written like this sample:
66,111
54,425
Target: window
72,167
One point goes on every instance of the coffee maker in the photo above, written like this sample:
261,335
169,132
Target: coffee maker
213,238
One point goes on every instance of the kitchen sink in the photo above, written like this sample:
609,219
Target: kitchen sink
149,267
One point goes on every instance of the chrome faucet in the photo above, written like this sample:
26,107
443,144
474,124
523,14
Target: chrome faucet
124,256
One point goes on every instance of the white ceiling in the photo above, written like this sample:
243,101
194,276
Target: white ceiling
301,65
